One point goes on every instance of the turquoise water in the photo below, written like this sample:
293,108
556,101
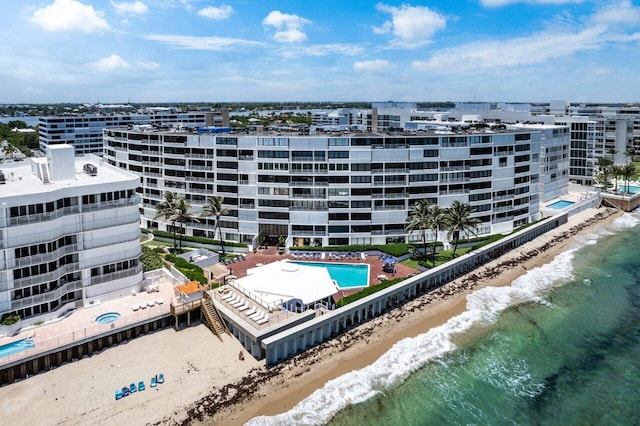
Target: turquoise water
346,275
561,346
16,347
562,204
107,318
632,188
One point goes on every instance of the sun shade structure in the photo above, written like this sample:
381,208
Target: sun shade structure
283,283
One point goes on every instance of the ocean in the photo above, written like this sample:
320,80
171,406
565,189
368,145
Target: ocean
561,346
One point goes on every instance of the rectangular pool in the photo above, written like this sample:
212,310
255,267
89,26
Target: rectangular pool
562,204
347,275
632,188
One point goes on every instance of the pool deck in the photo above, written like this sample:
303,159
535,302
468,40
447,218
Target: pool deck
80,324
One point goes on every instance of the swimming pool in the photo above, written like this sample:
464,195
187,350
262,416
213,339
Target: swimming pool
632,188
347,275
107,318
562,204
16,347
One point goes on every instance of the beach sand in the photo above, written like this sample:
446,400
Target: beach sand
206,383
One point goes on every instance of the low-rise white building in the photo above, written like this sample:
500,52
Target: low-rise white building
69,234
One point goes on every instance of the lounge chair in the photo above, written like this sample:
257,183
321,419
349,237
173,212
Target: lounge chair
245,306
151,303
119,394
141,386
160,378
228,296
133,388
239,303
322,256
125,391
259,313
135,307
259,317
154,382
234,299
159,301
251,311
263,320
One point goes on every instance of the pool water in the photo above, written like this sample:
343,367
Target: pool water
347,275
632,188
562,204
16,347
107,318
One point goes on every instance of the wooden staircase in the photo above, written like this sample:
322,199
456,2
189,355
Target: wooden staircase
213,317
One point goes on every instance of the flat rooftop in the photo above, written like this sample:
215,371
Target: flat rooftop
19,178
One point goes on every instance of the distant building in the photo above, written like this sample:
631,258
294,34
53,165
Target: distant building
69,234
84,132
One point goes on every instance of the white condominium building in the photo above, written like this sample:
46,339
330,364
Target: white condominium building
69,233
84,132
334,189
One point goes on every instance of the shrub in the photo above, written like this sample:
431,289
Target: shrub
367,291
189,270
10,319
150,259
395,249
200,240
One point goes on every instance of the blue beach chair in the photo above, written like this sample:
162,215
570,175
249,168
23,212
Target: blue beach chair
141,386
160,378
118,394
132,388
153,382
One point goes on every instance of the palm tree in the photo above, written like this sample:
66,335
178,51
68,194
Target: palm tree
183,215
417,220
167,210
630,153
627,171
616,172
213,207
604,168
10,150
436,221
460,220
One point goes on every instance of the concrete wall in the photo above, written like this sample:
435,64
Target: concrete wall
301,337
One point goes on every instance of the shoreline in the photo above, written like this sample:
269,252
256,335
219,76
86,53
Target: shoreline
206,383
288,383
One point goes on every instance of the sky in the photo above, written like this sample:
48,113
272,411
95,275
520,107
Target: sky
146,51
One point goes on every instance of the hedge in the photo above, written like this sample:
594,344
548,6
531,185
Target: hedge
367,291
189,270
200,240
395,249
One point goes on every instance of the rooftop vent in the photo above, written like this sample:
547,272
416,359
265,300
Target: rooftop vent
90,169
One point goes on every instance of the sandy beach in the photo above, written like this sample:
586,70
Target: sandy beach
206,383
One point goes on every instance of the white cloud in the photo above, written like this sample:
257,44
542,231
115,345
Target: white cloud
115,62
216,44
495,54
322,50
69,15
218,13
288,27
499,3
131,8
110,63
623,12
375,65
412,25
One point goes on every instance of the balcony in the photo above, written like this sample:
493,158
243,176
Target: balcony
46,278
42,217
49,296
46,257
116,275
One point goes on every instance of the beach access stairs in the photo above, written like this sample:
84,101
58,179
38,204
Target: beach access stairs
213,317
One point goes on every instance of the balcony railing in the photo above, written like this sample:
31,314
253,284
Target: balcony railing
49,296
116,275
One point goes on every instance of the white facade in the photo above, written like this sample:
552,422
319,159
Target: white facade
69,233
84,132
333,190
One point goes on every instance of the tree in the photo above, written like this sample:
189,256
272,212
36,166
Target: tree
460,220
604,169
11,150
417,220
183,215
630,153
616,172
168,210
436,221
627,171
213,207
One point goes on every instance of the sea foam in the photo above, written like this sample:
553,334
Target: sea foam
408,355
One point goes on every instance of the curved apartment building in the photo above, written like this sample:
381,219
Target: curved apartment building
69,234
333,189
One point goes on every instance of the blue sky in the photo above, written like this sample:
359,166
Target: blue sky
320,50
